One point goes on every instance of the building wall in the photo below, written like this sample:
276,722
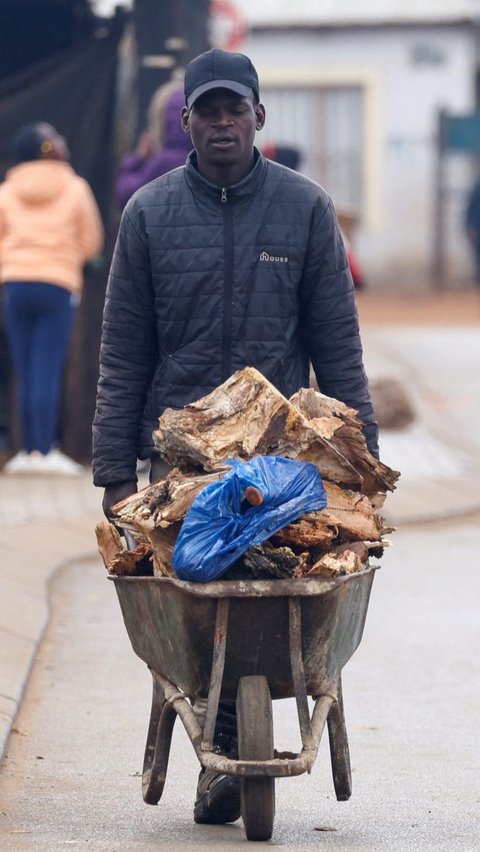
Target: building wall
407,75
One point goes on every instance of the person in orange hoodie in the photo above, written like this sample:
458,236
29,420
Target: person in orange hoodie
50,227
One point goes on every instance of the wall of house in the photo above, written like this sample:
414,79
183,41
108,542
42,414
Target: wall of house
407,74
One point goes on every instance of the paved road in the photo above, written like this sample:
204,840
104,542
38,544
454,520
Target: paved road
411,692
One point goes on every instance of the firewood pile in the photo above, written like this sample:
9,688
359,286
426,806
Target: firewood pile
245,417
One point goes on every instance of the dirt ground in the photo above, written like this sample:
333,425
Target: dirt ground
450,307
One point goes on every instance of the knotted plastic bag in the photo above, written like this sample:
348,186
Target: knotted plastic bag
222,524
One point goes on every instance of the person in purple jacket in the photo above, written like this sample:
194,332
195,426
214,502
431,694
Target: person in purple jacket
161,148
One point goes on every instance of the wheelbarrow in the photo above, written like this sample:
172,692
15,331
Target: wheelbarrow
250,642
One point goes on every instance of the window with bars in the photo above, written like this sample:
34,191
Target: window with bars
326,125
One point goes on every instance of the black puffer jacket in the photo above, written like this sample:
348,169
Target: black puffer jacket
205,281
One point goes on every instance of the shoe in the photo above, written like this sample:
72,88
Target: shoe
218,798
17,464
59,464
53,463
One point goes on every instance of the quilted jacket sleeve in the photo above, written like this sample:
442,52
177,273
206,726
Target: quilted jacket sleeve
127,358
330,320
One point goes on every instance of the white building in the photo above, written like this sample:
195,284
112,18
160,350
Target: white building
358,90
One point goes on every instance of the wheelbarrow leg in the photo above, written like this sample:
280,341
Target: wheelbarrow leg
339,753
157,749
216,676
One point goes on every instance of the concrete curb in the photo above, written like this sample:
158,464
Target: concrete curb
432,500
25,600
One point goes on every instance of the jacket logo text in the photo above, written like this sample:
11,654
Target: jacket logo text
265,256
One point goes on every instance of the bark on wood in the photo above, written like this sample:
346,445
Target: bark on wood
335,565
341,425
163,541
348,516
341,559
117,560
308,532
109,541
265,561
244,417
164,502
136,562
361,549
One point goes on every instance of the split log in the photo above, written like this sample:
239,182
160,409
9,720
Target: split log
340,425
265,561
310,531
163,541
352,515
348,516
244,417
164,502
156,512
337,565
136,562
116,558
346,558
109,541
361,548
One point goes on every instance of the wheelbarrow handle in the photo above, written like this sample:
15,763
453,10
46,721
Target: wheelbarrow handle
129,538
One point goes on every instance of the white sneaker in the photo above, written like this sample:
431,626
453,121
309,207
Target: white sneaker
17,464
59,464
27,464
36,464
54,463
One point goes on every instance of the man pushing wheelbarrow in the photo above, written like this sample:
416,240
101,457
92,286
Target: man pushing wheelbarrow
228,262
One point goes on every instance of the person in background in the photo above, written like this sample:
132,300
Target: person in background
50,227
5,395
354,264
161,148
289,156
286,155
472,227
228,262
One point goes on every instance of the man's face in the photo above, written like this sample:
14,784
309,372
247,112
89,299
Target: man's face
222,125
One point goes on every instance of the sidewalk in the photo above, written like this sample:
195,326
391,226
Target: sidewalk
47,523
44,525
436,358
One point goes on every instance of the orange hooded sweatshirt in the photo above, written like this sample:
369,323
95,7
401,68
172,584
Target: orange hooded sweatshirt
50,225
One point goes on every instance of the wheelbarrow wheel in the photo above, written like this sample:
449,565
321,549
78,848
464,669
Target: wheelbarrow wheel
255,742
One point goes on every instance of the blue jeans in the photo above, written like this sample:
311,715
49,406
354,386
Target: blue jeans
38,320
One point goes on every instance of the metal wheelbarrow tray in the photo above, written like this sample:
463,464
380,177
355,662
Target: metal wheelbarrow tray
248,641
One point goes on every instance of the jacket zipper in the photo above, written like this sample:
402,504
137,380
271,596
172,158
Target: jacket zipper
228,285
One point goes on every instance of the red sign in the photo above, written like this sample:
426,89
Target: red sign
229,27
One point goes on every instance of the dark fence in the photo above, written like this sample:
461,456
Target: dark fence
72,88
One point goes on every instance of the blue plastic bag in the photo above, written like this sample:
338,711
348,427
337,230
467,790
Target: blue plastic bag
220,525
